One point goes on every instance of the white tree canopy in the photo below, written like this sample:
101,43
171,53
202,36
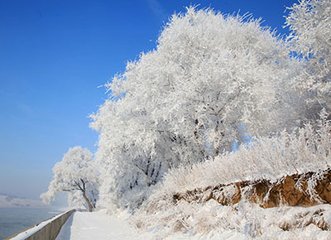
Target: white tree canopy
310,24
75,173
184,101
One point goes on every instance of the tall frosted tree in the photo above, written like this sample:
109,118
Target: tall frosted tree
310,24
187,100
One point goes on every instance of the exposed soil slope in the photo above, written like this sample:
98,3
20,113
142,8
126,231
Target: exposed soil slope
306,189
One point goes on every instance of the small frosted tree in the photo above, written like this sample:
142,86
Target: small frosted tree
310,24
75,174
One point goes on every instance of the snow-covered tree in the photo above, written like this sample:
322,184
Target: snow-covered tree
185,101
310,24
76,174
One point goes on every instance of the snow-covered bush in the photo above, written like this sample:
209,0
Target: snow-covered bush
76,174
184,102
303,150
310,25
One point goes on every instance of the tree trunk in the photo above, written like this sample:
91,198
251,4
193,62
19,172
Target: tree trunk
87,200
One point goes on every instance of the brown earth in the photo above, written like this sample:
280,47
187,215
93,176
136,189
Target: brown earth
307,189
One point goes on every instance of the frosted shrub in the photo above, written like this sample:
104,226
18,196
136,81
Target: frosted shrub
303,150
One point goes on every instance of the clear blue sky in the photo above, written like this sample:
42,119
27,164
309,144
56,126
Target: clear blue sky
54,55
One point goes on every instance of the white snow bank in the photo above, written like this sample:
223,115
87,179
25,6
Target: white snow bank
242,221
98,225
305,150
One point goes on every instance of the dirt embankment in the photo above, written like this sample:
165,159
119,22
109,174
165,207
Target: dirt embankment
306,190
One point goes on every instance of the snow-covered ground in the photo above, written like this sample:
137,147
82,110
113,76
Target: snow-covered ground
98,225
102,226
211,220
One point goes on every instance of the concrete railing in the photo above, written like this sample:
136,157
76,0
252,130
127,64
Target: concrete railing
50,230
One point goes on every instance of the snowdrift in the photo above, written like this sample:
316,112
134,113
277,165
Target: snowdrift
251,191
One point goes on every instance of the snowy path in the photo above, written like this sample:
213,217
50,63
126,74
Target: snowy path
100,226
97,226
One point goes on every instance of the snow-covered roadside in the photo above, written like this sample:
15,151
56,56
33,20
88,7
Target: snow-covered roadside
214,221
99,225
211,220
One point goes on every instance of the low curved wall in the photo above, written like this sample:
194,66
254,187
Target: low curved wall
49,231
